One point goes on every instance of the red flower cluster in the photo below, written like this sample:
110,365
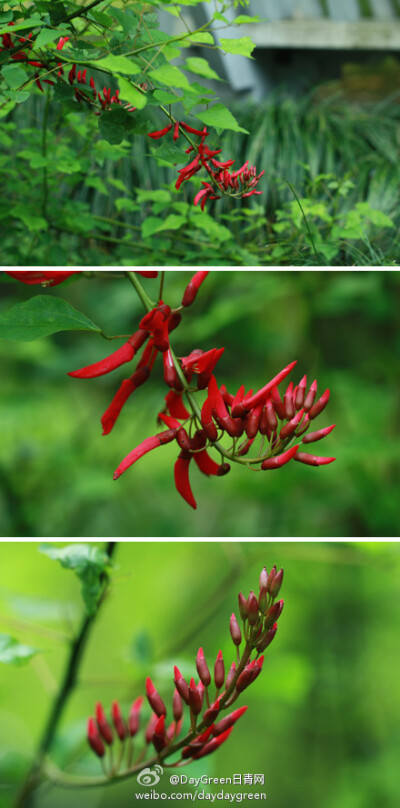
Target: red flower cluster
204,701
280,423
239,184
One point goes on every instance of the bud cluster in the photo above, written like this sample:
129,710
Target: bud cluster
200,717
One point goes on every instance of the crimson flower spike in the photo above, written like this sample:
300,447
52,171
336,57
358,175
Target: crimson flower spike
146,446
193,287
247,404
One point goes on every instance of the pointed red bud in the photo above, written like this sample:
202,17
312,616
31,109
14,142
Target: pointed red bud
219,671
181,685
154,699
280,460
177,706
263,578
159,738
276,584
211,714
313,460
211,746
319,405
134,717
231,674
118,721
252,603
94,739
228,721
288,402
300,393
202,668
321,433
234,628
103,725
243,607
193,287
195,699
310,397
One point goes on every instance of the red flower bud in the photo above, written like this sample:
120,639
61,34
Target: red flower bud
319,405
228,721
159,133
118,721
276,584
321,433
134,717
252,603
159,738
288,402
263,578
310,397
181,685
211,714
219,671
234,628
202,668
195,698
280,460
231,674
274,613
300,393
102,723
313,460
150,728
291,427
154,699
193,286
262,599
177,706
94,739
123,354
243,607
277,403
211,746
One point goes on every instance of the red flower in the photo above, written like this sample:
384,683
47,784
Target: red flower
46,278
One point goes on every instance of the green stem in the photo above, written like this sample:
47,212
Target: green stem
147,302
67,685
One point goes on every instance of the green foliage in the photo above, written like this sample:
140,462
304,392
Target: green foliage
14,653
41,316
89,563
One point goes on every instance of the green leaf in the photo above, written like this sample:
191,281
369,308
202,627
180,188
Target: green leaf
41,316
153,225
220,117
171,76
201,68
14,76
30,22
88,562
47,35
32,222
243,19
117,64
241,47
131,94
13,653
203,37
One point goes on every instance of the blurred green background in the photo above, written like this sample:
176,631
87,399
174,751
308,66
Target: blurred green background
323,718
342,327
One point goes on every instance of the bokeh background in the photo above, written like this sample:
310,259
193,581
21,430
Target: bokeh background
342,327
323,718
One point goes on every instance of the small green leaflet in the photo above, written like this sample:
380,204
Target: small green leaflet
14,76
220,117
240,47
41,316
116,64
171,76
31,22
201,68
131,94
88,562
14,653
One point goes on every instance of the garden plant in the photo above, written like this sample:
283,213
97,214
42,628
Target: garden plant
200,718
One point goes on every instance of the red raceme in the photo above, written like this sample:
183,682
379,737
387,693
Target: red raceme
207,703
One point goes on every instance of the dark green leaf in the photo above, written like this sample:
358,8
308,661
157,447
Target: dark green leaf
41,316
